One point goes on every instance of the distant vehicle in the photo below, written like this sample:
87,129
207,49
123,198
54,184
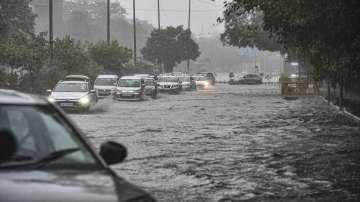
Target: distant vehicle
209,76
73,95
129,88
105,85
170,84
151,87
251,79
46,157
202,82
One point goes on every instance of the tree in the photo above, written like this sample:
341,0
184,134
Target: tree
323,32
171,46
112,57
247,31
70,56
25,54
85,20
15,17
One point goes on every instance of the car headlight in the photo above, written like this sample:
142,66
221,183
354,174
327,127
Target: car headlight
84,100
51,99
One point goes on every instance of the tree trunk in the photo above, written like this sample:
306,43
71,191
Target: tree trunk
341,99
168,68
328,92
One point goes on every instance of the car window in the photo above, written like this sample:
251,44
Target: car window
105,81
129,83
71,87
40,131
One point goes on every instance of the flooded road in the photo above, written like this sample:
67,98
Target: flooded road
232,143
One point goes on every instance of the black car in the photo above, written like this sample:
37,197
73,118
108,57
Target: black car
44,157
251,79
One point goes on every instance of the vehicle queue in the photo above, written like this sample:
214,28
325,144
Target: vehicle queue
77,93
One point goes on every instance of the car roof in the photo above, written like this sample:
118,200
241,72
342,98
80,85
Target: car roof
130,77
18,98
107,76
72,82
77,77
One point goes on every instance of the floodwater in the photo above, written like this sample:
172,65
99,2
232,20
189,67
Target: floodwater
232,143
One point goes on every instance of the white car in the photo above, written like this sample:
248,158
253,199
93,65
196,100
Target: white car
202,82
129,88
105,85
73,95
170,84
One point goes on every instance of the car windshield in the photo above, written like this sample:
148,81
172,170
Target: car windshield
105,82
200,78
149,82
71,87
168,79
40,131
129,83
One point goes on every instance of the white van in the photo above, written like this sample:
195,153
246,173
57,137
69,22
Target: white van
105,85
130,88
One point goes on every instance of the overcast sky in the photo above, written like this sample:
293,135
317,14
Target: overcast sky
175,12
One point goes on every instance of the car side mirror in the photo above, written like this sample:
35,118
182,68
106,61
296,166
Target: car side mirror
113,152
49,90
8,145
92,91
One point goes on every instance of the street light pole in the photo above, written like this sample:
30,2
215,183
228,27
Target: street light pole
159,28
188,48
108,22
51,30
134,24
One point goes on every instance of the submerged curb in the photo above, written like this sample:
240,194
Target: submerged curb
344,111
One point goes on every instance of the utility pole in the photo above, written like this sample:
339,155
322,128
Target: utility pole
159,28
51,31
134,22
188,48
108,22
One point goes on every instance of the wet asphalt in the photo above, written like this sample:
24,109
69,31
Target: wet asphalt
232,143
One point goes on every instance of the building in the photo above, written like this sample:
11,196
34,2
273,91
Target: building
41,9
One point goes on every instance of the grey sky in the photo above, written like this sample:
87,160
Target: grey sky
175,12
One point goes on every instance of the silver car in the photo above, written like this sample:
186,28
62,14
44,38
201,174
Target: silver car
170,84
129,88
73,95
105,85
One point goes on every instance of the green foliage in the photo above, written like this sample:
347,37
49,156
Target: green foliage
69,56
15,17
247,31
323,32
171,46
85,20
112,57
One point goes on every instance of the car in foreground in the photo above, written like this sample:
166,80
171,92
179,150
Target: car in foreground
44,157
73,95
105,85
202,82
251,79
169,84
129,88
